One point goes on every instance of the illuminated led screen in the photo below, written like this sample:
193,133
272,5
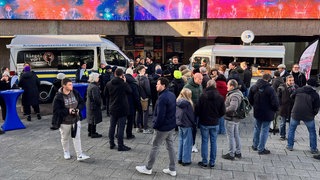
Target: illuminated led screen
272,9
65,9
166,9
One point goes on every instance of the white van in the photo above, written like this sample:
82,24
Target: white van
49,55
262,58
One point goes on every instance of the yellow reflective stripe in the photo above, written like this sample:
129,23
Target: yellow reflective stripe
86,73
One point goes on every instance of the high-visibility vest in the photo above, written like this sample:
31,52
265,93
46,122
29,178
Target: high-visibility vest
101,71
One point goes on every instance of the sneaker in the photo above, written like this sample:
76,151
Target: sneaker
82,157
171,173
96,135
254,148
283,138
202,165
212,166
194,149
139,130
112,146
228,156
265,151
315,151
143,170
289,148
66,155
147,131
238,155
179,161
185,164
38,116
317,156
28,118
124,148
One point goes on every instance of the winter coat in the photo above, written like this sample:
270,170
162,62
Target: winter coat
286,103
30,83
232,103
93,104
117,90
299,78
276,82
184,114
205,79
247,75
196,90
175,86
104,78
84,78
306,103
144,86
236,76
59,109
164,116
211,107
133,98
264,100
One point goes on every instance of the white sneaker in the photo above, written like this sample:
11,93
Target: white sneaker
66,155
194,149
82,157
167,171
147,131
143,170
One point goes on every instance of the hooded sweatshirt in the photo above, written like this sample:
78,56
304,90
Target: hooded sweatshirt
184,113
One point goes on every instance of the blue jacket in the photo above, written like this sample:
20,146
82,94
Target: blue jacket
164,116
264,100
185,114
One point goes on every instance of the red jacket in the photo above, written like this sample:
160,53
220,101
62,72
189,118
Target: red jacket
222,88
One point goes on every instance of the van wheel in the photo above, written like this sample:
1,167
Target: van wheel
45,94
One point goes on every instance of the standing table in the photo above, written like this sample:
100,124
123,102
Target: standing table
82,88
12,120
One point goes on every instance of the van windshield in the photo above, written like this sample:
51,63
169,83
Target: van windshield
57,59
113,57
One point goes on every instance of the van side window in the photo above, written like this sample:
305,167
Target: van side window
113,57
201,61
52,59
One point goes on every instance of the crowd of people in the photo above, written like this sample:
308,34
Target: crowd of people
180,99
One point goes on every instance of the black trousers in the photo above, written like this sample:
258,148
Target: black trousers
27,109
130,120
3,108
121,122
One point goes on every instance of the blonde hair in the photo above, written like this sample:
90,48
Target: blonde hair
93,77
186,93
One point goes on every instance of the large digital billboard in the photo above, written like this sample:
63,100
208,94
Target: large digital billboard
259,9
166,9
65,9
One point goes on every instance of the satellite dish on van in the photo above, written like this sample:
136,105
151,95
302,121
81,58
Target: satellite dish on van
247,36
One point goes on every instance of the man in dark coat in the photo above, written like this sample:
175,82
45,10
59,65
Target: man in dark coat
299,77
103,80
286,103
30,83
265,104
164,121
305,108
117,90
210,109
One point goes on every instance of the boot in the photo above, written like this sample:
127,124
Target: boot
89,130
94,133
38,116
29,118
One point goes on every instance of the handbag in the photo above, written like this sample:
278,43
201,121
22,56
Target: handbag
144,103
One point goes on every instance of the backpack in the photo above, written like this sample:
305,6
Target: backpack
244,108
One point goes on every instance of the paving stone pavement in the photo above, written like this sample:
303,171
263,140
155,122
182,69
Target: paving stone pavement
36,153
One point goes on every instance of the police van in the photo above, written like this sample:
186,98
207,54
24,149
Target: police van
49,55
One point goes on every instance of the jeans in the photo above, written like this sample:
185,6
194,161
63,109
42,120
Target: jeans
260,134
206,132
157,140
222,128
283,126
65,131
233,137
185,144
121,122
312,133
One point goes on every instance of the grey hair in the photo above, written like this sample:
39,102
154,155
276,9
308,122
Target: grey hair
211,83
233,83
203,69
94,77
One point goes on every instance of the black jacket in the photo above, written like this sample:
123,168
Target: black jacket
184,114
211,107
175,86
264,100
117,90
60,111
299,78
133,98
306,103
247,75
276,82
30,83
286,103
